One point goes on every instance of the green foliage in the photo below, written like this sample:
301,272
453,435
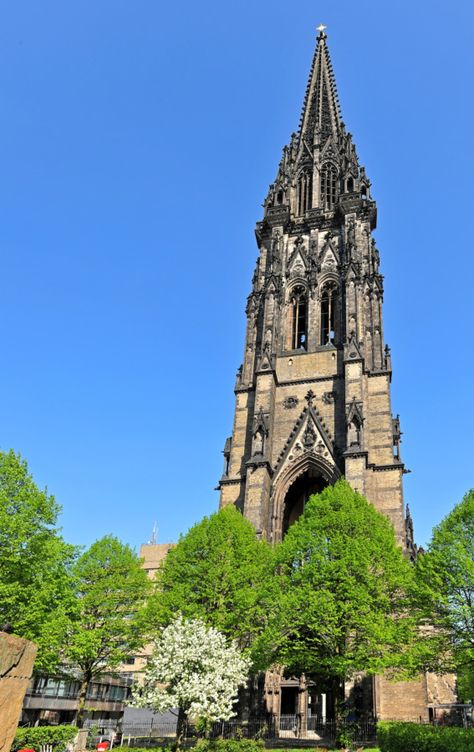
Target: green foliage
465,683
415,737
36,597
218,572
165,748
34,738
92,734
214,745
343,588
111,587
229,745
445,576
238,745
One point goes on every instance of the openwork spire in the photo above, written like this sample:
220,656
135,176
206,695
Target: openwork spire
321,116
319,167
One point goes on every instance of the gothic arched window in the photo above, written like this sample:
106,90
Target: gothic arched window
328,186
297,319
328,313
304,192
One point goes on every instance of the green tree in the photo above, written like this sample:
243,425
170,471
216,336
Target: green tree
219,572
36,597
445,575
343,588
111,588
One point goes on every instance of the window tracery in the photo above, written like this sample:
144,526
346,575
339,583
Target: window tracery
297,318
304,192
328,313
328,186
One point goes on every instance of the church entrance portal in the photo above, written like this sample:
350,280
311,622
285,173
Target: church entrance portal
306,711
311,482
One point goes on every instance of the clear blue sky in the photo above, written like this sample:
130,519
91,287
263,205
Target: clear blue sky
137,142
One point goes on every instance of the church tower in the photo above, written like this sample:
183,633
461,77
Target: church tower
313,392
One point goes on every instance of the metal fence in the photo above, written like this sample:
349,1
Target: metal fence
286,729
321,729
147,735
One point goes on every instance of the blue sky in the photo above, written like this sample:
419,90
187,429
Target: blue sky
137,142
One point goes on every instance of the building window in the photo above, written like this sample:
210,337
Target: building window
328,314
328,186
297,328
305,192
117,694
350,185
52,687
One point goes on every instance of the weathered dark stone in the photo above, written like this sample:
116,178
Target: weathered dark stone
315,322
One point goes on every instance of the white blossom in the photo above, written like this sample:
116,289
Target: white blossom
193,667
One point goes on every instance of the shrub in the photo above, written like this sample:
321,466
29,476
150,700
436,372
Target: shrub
57,736
414,737
229,745
211,745
166,748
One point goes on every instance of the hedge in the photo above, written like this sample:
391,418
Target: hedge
212,745
33,738
229,745
147,749
417,737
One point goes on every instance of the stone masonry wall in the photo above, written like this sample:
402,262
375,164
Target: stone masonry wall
401,701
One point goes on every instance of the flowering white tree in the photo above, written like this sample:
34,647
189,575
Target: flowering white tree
193,668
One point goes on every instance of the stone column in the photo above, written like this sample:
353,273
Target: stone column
303,708
17,657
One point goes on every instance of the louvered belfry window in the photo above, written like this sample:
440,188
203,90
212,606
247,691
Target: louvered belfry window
297,328
328,314
328,186
305,192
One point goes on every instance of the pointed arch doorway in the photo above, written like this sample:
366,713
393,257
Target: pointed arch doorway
293,487
311,482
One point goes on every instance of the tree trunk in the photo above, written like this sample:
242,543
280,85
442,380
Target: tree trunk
79,715
337,688
181,728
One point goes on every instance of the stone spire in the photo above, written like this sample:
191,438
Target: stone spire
320,164
321,115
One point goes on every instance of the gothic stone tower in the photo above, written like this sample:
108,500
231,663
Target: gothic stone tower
313,393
